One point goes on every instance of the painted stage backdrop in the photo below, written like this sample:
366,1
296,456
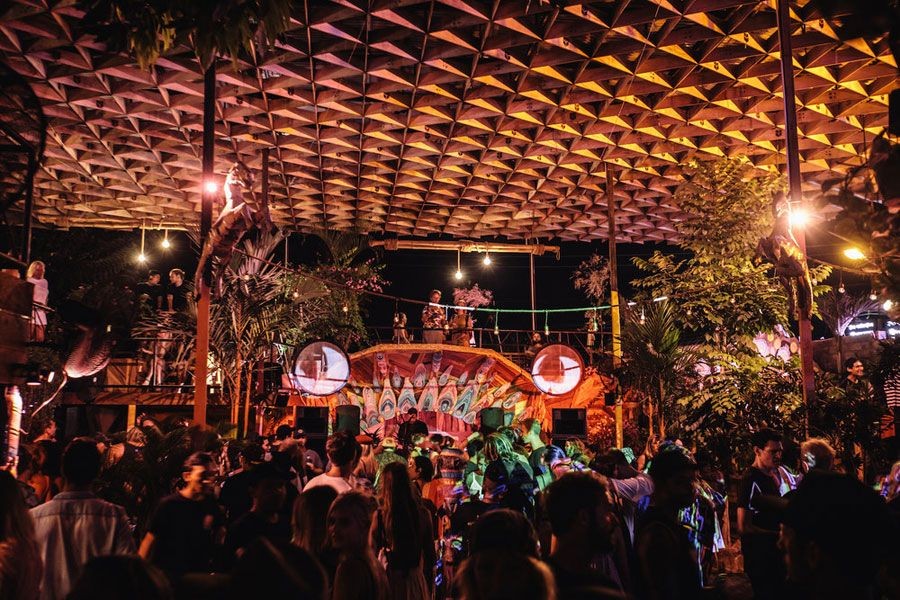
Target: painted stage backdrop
449,385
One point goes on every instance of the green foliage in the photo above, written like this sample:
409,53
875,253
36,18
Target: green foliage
149,28
656,364
741,393
592,278
718,290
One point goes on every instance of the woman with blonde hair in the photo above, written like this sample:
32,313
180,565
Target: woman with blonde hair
35,276
358,574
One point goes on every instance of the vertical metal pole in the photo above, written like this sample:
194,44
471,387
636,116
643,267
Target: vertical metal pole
202,346
615,317
29,210
796,197
533,316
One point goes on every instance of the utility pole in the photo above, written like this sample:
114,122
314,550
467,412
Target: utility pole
614,298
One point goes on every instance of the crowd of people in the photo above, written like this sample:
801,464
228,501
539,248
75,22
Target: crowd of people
501,514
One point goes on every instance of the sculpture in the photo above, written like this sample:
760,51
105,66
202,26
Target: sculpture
242,215
782,250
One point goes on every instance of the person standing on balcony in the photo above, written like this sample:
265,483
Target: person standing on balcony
35,276
433,320
461,328
177,296
150,291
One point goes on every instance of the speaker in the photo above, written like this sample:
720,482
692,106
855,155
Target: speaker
569,423
312,419
894,112
492,419
346,418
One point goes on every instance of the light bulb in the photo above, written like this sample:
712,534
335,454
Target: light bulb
487,260
888,305
166,244
141,257
458,274
854,253
873,296
345,308
798,218
211,187
841,289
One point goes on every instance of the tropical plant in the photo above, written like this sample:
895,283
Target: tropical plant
149,28
655,362
592,278
737,393
346,274
718,289
838,309
256,304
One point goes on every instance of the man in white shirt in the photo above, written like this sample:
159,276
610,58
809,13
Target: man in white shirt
76,526
343,455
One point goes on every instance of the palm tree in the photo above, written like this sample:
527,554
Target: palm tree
655,363
838,310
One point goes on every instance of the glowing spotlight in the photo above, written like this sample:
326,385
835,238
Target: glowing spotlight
873,296
166,244
854,253
142,258
487,260
345,308
798,218
458,274
211,187
888,305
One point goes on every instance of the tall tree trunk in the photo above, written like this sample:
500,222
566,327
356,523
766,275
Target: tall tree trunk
236,392
246,425
662,421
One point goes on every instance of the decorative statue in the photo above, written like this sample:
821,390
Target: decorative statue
243,214
782,250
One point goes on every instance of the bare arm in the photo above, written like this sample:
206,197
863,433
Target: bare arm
146,549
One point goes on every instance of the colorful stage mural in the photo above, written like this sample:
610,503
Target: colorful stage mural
449,385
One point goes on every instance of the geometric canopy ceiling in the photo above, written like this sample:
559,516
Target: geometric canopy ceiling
462,118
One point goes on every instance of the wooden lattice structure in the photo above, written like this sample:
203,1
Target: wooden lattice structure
465,118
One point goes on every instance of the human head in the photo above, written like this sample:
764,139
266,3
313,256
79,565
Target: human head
535,338
854,367
412,413
816,453
268,488
198,473
310,518
282,432
153,276
579,511
503,530
36,270
496,446
531,428
176,276
121,577
251,454
486,576
836,532
15,520
349,519
435,295
81,463
767,447
343,450
674,473
421,469
611,463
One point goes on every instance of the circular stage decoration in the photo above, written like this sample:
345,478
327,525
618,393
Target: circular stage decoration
557,369
321,369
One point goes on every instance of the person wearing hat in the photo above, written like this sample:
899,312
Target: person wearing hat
433,320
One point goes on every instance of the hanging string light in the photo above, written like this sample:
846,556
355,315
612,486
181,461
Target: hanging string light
497,322
487,259
458,275
546,323
142,258
873,296
166,244
841,288
643,318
